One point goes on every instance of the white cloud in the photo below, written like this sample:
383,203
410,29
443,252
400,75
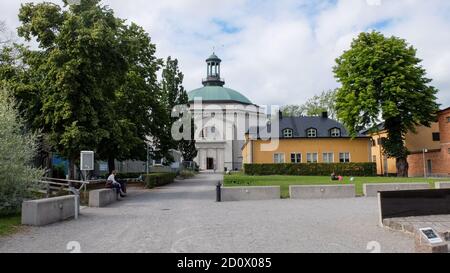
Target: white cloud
285,50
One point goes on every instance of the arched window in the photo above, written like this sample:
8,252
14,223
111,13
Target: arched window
335,132
311,133
288,133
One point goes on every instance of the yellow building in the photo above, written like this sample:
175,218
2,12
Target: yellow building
309,140
425,138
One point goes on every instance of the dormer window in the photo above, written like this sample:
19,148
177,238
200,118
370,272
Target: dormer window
335,132
288,133
311,133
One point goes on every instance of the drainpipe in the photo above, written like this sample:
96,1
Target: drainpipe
424,163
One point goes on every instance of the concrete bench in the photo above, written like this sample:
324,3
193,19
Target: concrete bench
47,211
322,191
371,190
102,198
442,185
250,193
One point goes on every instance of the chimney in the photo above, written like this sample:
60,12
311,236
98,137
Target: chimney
324,114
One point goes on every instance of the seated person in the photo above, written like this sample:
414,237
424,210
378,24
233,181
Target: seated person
112,183
334,177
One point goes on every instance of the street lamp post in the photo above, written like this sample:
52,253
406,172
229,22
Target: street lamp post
425,163
148,159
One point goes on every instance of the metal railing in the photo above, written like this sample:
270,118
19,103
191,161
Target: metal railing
58,185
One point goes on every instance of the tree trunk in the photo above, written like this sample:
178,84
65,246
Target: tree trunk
111,164
71,169
402,167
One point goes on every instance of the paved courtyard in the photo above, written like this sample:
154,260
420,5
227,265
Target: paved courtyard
184,217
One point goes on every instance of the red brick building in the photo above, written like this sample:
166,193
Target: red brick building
436,162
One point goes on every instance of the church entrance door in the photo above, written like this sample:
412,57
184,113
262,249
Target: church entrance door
210,163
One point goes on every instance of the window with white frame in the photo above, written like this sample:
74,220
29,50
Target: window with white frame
328,157
344,157
296,158
335,132
288,133
311,133
278,158
312,158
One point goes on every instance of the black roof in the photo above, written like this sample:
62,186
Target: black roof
300,126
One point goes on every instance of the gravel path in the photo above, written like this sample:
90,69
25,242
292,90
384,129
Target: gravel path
183,217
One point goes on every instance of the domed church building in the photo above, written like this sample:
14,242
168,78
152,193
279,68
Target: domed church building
222,117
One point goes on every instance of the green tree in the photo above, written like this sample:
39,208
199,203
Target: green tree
17,149
383,79
187,146
174,95
136,107
80,66
315,106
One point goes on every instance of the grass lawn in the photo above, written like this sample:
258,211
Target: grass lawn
236,180
10,224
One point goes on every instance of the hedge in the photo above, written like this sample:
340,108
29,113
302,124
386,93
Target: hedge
312,169
158,179
123,176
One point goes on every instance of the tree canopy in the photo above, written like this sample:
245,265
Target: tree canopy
315,106
383,80
175,95
91,84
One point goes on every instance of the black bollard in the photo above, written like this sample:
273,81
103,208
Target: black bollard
219,192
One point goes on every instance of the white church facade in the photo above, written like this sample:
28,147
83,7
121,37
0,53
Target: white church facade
223,116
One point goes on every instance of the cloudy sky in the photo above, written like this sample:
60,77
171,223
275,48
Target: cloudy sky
281,52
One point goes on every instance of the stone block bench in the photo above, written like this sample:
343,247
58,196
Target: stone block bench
102,198
371,190
250,193
47,211
322,191
442,185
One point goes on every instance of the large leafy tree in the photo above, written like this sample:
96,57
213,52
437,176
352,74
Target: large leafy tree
174,94
80,65
137,106
383,80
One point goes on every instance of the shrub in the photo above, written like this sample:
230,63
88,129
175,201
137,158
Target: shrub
158,179
123,176
128,175
17,149
187,174
312,169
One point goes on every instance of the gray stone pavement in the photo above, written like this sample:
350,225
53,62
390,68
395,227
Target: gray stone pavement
184,217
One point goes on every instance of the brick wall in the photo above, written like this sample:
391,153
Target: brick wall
440,159
416,166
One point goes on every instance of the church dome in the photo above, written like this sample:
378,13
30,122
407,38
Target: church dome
218,94
213,90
